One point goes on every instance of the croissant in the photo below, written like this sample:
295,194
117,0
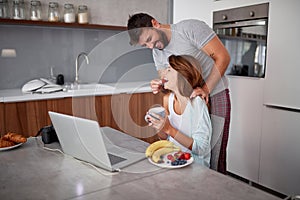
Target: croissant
5,143
14,137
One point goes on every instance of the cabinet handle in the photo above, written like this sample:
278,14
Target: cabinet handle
252,13
224,17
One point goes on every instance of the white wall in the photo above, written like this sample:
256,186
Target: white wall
202,10
193,9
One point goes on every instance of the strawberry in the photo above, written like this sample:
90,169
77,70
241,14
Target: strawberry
181,157
170,157
186,156
178,155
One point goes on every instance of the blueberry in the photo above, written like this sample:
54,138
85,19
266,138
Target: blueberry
174,163
182,162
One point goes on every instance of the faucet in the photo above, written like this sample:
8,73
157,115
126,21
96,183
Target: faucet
77,67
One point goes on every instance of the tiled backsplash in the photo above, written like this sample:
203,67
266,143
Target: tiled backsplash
40,48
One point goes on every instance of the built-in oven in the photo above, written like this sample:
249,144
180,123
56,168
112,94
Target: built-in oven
243,31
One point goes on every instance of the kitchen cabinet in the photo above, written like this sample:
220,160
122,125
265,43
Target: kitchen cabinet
62,105
280,160
283,63
128,111
123,112
2,127
245,128
25,118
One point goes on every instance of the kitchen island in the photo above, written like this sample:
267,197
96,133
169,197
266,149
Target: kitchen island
33,171
118,105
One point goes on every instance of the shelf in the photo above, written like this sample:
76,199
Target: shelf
59,24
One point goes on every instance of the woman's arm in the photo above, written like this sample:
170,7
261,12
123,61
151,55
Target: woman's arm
201,129
165,128
178,136
161,134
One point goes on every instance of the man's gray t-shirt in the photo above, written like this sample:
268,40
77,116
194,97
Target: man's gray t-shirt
188,38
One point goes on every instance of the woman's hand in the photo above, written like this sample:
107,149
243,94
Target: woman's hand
155,85
156,121
161,124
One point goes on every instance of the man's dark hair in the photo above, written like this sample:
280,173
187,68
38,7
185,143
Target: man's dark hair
135,24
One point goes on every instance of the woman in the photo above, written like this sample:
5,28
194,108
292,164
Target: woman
188,123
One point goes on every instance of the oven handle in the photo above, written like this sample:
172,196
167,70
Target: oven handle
258,22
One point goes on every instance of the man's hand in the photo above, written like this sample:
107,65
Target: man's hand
156,85
201,93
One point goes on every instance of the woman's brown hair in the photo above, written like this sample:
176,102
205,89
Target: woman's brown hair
189,73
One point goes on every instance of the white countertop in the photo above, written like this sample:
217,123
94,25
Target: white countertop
16,95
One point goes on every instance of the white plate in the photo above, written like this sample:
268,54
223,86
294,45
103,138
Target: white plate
168,165
10,147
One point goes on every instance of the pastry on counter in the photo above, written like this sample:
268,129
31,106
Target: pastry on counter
14,137
6,143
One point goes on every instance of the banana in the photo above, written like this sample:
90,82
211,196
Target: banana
162,151
157,145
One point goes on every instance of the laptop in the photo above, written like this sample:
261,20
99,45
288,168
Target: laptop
85,140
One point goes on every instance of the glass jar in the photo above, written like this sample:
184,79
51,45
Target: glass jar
35,10
4,9
18,9
83,17
53,12
69,13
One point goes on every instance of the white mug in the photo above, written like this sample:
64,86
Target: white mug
159,110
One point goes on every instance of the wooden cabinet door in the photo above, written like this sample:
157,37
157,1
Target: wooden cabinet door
83,107
128,111
124,112
104,112
2,124
63,105
25,118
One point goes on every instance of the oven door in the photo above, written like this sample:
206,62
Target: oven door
246,42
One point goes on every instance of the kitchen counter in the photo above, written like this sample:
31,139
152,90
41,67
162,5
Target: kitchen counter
33,171
16,95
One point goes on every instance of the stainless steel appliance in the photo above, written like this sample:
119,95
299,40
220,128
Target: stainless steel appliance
243,31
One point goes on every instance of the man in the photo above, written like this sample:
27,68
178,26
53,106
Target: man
195,38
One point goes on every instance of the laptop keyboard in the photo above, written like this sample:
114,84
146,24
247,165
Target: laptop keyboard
115,159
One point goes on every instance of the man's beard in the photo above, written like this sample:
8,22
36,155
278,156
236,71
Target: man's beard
163,39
